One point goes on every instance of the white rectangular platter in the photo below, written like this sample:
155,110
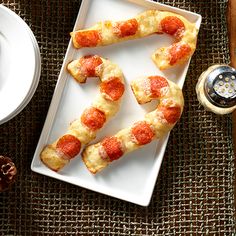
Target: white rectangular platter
133,177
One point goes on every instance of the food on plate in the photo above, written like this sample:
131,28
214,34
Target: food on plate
154,125
144,24
105,106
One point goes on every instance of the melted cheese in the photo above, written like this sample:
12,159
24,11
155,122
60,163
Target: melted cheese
148,22
110,108
141,89
125,136
110,70
74,69
80,131
93,160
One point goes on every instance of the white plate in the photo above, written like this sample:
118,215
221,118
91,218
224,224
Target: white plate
133,177
20,64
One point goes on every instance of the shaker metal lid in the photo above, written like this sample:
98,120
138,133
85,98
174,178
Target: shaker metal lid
220,86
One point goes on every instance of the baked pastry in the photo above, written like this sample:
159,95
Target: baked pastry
154,125
144,24
105,106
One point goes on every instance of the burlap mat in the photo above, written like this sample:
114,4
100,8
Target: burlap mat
194,194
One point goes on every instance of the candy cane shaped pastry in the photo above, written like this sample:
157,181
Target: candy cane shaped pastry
106,105
144,24
155,124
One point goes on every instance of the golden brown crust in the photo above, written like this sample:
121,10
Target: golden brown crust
51,158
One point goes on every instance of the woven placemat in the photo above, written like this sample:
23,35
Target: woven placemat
194,193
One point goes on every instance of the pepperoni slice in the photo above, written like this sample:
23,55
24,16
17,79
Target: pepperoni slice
114,88
93,118
179,52
171,114
172,25
113,148
89,38
89,65
142,132
156,84
69,145
126,28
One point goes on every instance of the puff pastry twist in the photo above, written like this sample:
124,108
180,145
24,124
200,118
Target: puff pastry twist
154,125
106,105
144,24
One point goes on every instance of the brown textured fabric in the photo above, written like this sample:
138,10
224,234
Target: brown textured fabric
194,193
